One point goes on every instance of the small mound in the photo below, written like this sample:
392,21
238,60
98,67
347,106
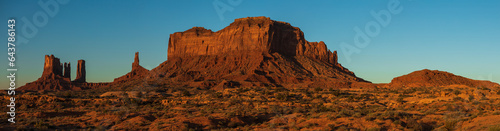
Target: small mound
435,78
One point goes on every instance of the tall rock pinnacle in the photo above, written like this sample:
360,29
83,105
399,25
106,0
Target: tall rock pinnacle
67,70
138,72
135,65
80,72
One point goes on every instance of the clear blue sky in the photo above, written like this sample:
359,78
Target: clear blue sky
461,37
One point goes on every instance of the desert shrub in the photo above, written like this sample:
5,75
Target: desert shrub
336,92
318,89
430,111
217,95
413,124
186,93
67,94
484,98
400,99
357,115
40,125
233,124
393,115
380,117
483,88
234,101
397,122
346,113
280,88
409,91
242,90
320,108
450,125
365,96
471,97
281,96
309,125
458,99
331,126
373,129
494,128
371,116
332,117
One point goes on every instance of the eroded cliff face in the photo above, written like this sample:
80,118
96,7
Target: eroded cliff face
253,49
252,35
137,73
52,65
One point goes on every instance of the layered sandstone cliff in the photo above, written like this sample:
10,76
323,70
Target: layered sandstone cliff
435,78
253,49
250,35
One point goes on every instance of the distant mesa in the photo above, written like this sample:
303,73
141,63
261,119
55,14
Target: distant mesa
435,78
250,51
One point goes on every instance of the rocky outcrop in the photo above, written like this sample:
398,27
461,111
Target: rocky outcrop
67,70
52,77
435,78
52,66
253,49
57,77
253,35
137,72
135,64
81,73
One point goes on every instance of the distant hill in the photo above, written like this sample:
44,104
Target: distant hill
435,78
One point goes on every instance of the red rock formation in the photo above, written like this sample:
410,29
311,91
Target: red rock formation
138,72
80,72
254,49
52,77
67,71
135,64
253,34
52,66
435,78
